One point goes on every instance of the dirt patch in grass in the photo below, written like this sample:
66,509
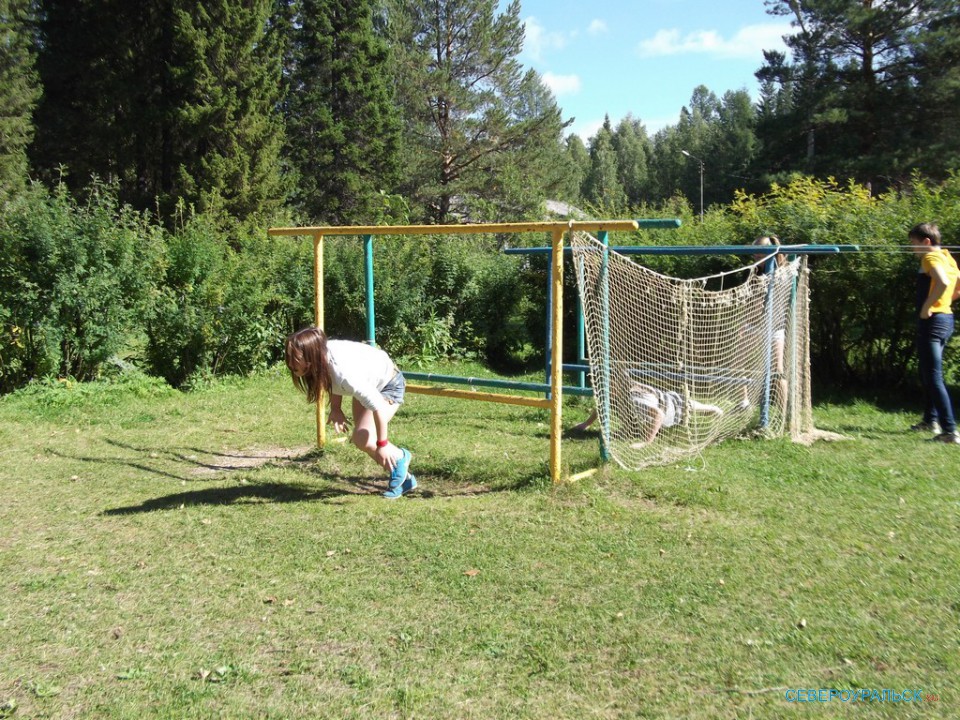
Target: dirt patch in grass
227,461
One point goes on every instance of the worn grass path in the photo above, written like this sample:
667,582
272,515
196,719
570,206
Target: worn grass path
167,555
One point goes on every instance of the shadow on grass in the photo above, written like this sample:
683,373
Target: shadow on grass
274,492
318,484
263,492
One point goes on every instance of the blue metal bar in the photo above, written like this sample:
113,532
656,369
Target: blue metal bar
368,276
492,382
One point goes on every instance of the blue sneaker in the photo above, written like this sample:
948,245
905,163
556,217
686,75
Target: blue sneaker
399,473
409,483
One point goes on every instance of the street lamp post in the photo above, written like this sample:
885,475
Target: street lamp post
694,157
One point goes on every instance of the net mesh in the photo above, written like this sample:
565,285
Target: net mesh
679,364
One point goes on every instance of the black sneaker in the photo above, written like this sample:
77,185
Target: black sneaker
951,438
930,427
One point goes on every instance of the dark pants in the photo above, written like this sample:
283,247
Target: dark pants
932,337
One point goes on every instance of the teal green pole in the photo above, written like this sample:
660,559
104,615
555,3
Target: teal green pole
605,346
770,266
581,342
368,276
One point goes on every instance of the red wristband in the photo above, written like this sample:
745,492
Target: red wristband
382,443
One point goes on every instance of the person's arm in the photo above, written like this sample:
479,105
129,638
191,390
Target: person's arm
938,285
387,454
337,418
656,421
587,423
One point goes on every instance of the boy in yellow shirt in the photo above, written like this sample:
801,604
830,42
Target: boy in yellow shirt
936,289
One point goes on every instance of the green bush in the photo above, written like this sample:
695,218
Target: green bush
861,314
76,282
225,304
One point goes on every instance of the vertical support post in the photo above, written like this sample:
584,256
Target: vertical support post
581,343
368,277
604,398
770,267
556,366
548,353
790,402
318,321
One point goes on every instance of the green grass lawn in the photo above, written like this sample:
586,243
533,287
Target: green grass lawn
171,555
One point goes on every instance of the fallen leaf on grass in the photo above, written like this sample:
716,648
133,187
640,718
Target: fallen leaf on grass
214,676
472,573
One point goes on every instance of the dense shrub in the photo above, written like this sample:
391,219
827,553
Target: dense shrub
82,282
862,315
225,303
76,282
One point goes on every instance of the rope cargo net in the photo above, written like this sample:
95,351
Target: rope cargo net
679,364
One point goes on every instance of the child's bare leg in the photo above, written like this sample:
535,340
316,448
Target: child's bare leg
704,408
586,423
365,429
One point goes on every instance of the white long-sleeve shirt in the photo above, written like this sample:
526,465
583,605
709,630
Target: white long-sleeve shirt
360,371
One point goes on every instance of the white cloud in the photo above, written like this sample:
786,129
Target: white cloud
537,40
586,129
748,42
597,27
562,84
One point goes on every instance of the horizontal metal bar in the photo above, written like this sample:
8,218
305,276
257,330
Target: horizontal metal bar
493,382
704,250
472,229
484,396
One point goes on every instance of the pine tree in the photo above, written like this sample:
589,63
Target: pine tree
229,126
343,125
577,165
602,184
473,118
633,150
854,72
169,99
18,94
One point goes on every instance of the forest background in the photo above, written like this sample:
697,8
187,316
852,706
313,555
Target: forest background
146,147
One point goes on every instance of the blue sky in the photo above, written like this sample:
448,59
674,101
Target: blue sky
644,57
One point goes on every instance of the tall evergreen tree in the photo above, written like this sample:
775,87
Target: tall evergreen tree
633,150
935,107
343,125
470,111
18,93
577,165
230,129
853,76
169,98
734,145
602,185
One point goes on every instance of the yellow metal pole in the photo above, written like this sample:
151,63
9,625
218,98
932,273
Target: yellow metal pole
474,395
556,356
318,321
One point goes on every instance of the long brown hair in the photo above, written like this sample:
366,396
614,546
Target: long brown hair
771,240
306,355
